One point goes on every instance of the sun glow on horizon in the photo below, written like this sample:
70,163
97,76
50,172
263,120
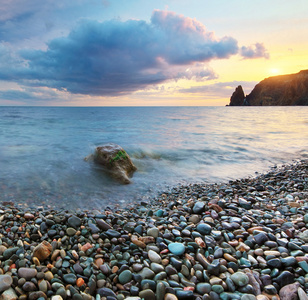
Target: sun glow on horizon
275,71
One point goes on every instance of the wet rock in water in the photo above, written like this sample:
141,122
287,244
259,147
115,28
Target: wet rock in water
116,161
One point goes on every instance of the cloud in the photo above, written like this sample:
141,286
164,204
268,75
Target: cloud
29,95
33,22
220,89
255,51
113,58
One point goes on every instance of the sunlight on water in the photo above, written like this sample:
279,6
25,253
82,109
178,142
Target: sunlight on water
42,150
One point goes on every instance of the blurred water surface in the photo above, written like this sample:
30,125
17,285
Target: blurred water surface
42,149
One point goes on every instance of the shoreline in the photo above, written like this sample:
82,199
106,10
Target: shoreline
246,239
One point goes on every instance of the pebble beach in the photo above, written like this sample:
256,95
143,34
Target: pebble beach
246,239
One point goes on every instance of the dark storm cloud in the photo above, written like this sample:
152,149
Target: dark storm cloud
114,57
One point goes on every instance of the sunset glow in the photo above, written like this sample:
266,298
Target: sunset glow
274,71
111,53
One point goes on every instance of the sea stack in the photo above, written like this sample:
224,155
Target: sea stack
238,96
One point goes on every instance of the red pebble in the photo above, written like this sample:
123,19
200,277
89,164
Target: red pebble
164,251
79,282
85,247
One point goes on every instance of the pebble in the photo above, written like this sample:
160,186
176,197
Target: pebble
125,276
203,288
199,207
5,282
42,251
289,292
176,248
301,294
154,232
70,278
147,294
27,273
9,294
245,239
71,231
154,257
204,228
74,221
170,296
240,278
102,224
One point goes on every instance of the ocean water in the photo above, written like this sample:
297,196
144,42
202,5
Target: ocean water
42,149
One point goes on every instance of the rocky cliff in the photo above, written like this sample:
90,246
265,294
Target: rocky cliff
238,97
277,90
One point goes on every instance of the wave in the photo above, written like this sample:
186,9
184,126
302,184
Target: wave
146,154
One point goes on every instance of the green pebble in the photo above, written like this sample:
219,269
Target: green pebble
159,213
87,271
70,278
297,253
125,276
229,296
240,278
203,288
120,297
245,262
293,210
71,231
154,232
160,290
275,272
160,276
217,288
84,232
304,265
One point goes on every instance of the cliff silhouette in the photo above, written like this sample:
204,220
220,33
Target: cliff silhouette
283,90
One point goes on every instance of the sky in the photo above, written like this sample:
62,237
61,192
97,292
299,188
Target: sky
145,52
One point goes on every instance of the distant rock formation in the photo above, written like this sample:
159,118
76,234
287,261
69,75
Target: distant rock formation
237,98
280,90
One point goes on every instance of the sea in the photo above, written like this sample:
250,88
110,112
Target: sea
43,150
